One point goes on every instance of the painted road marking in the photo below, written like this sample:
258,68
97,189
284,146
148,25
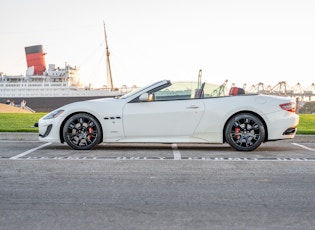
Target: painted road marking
176,152
29,151
111,158
303,146
176,156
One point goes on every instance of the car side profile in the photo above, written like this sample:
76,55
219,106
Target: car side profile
183,112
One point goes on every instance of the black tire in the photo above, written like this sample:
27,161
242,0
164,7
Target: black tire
82,131
245,132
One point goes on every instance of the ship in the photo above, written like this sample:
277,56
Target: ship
45,89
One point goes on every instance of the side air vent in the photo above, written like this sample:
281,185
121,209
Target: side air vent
112,118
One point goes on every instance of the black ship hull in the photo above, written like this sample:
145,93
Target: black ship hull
47,104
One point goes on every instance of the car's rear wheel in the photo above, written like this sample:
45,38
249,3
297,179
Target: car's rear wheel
82,131
245,132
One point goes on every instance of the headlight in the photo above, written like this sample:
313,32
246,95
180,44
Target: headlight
53,114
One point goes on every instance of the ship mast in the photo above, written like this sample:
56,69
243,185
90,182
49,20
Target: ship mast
109,71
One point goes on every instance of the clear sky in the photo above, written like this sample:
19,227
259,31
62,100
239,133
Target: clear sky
244,41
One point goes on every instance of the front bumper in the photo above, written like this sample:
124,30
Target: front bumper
48,130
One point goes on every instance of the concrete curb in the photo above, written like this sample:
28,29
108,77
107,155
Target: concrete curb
34,137
19,136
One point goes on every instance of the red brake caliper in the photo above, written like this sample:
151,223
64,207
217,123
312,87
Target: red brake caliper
90,131
237,131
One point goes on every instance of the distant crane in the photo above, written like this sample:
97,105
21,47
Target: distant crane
220,90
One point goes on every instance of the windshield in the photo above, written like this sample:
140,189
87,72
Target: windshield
130,94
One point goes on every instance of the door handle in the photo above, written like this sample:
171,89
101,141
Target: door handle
192,107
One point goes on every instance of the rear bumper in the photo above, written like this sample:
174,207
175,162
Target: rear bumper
284,127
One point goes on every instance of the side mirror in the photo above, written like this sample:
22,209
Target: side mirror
144,97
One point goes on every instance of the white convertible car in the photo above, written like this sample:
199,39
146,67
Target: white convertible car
174,113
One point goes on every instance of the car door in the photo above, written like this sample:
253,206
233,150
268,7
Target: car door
173,118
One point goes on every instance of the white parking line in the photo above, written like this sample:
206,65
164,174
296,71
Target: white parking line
219,159
304,147
176,152
29,151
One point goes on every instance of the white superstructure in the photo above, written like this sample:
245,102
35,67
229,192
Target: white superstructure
61,82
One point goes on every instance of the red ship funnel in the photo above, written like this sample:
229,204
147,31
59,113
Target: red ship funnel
35,57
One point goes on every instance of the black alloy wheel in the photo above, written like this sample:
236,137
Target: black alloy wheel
82,131
245,132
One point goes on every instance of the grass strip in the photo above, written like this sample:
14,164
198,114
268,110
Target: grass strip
24,122
19,122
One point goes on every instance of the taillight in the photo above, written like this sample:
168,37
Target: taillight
290,107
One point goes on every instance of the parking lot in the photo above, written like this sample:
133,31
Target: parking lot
157,186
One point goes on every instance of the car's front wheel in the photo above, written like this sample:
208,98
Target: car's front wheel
245,132
82,131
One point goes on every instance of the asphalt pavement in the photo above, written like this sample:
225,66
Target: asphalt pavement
156,186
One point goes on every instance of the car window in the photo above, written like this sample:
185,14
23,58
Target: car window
176,91
181,91
188,90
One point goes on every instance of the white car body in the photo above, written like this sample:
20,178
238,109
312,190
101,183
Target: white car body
135,118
